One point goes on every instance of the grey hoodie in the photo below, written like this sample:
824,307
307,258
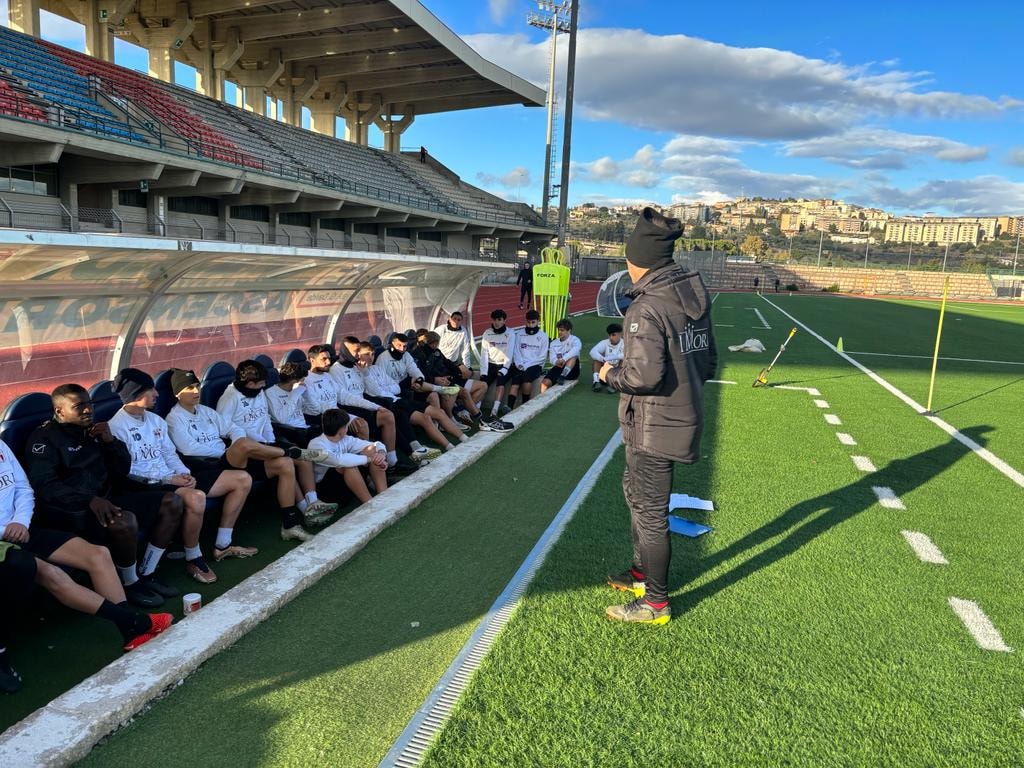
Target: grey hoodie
669,353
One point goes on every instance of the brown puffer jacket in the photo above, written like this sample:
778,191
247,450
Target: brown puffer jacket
669,354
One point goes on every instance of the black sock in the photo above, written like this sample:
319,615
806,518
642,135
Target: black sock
512,401
526,399
292,452
290,517
130,623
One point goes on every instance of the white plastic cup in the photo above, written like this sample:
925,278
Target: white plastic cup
191,602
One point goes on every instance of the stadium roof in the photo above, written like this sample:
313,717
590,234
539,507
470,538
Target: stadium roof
392,49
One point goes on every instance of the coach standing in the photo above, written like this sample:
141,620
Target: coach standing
669,354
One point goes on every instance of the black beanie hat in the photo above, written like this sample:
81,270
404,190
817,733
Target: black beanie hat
652,241
131,383
182,379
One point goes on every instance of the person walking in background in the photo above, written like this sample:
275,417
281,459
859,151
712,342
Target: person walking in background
525,283
669,353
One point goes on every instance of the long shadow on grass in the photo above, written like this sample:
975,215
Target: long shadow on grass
981,394
809,519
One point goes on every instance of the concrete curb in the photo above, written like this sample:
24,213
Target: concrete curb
67,728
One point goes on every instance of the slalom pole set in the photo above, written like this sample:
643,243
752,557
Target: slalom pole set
762,377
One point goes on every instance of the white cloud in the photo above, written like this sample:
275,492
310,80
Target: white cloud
711,89
968,197
514,179
500,9
1015,156
645,156
882,148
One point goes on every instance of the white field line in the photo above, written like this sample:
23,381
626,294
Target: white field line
887,498
1014,475
809,390
715,298
724,325
821,403
846,439
415,739
764,323
863,463
924,548
929,357
832,419
720,381
979,625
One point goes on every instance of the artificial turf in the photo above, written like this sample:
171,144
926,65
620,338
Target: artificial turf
805,631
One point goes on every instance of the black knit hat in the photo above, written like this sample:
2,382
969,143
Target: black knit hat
182,379
651,243
131,383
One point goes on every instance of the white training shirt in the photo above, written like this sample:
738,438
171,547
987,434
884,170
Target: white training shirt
321,394
379,384
252,414
201,433
606,352
496,348
285,406
567,349
530,349
399,370
455,345
346,452
17,501
351,387
153,453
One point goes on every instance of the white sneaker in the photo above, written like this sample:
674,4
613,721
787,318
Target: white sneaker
425,454
446,390
314,455
295,533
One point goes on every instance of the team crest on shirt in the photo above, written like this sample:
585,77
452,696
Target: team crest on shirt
39,448
634,327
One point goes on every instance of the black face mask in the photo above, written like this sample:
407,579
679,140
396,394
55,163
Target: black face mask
240,386
498,330
531,331
396,354
346,358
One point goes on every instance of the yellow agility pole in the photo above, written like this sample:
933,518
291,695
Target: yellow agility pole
938,338
551,288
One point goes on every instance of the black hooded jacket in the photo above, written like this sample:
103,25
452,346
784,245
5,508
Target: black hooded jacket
669,353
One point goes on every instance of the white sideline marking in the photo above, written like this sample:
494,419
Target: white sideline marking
724,325
863,463
949,429
809,390
64,730
924,548
821,403
979,625
929,357
764,323
715,298
887,498
720,381
846,439
430,718
832,419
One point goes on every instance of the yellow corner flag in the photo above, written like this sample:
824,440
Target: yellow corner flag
551,288
938,338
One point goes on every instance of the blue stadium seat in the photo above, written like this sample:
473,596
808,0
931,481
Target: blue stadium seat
165,397
272,375
377,345
265,361
105,402
216,378
294,356
22,415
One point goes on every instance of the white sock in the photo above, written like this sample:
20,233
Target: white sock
449,447
494,408
191,553
415,445
223,538
129,575
150,559
311,497
479,404
302,505
596,378
392,458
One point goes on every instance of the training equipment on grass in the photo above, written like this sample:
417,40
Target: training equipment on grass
683,501
612,300
762,377
750,345
551,289
839,345
685,527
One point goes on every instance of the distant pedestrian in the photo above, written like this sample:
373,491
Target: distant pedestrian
669,353
525,283
423,154
777,284
757,282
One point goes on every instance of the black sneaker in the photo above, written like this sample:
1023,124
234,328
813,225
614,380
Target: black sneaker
494,424
141,595
161,588
10,680
625,582
596,386
403,467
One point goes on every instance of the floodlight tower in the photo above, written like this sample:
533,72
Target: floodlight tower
551,17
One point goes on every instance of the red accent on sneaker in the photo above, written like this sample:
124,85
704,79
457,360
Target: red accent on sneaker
637,574
657,606
158,622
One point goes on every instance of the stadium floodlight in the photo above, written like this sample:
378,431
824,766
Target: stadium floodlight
553,19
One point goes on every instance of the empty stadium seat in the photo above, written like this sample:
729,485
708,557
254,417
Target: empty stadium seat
165,397
216,378
105,402
22,415
272,375
294,356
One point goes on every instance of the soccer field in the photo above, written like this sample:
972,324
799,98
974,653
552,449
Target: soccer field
807,628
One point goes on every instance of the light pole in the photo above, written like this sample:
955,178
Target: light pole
909,254
570,84
790,247
1015,252
556,25
946,256
867,244
820,241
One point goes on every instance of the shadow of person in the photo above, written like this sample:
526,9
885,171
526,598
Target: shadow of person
809,519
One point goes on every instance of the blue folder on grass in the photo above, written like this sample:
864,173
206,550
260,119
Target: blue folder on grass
686,527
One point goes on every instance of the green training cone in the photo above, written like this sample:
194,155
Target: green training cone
839,344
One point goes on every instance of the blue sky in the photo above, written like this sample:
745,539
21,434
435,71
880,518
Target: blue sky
912,107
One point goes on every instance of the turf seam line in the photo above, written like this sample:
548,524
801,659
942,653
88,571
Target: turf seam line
924,548
414,741
1014,475
68,727
979,625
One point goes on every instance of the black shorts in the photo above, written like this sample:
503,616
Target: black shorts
144,504
555,373
332,488
43,542
494,374
299,436
525,377
206,470
370,417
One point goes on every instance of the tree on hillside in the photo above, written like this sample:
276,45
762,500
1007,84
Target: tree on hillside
754,247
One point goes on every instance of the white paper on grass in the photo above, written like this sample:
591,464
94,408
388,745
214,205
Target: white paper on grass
750,345
683,501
